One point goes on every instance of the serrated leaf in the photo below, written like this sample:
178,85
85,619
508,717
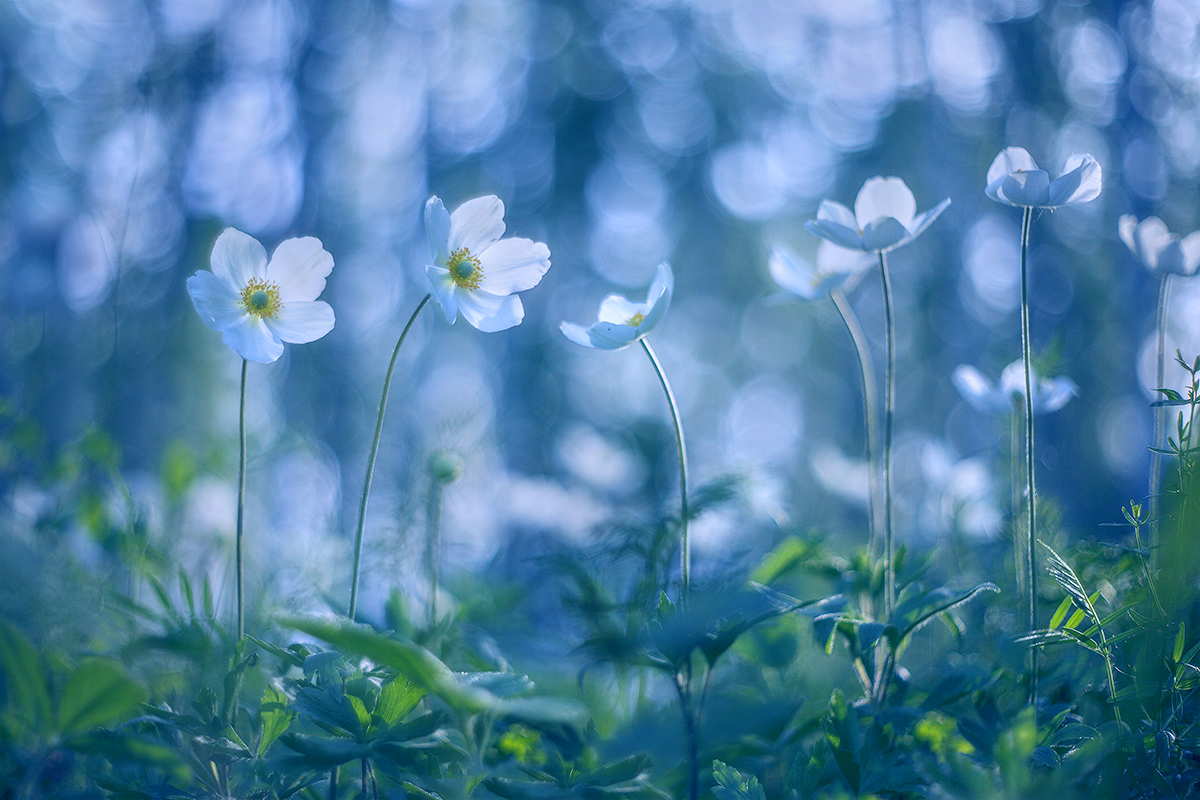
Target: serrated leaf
276,718
25,681
397,699
97,692
734,785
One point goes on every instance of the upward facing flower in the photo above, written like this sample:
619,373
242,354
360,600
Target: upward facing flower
885,217
623,322
475,271
1157,248
258,304
836,267
1049,394
1015,179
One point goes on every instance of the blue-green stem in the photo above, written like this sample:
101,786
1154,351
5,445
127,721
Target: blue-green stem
685,554
1164,294
241,507
366,492
889,405
866,373
433,540
1031,500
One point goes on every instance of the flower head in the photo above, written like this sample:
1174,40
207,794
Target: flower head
1049,394
1157,248
836,267
1014,178
885,217
259,304
475,271
622,321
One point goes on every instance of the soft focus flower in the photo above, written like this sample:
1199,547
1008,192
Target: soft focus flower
1014,178
836,266
622,321
259,305
1049,394
475,271
1157,248
885,216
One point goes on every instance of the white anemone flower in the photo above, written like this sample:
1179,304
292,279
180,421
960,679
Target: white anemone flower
885,217
1049,394
258,304
621,321
835,269
1159,250
1015,179
475,271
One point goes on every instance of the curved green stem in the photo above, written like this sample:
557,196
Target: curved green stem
241,507
866,373
1164,293
889,405
1031,500
366,493
685,553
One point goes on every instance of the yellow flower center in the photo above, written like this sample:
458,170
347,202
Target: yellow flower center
261,298
464,269
635,320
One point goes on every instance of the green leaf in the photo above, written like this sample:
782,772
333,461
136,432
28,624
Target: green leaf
734,785
912,614
276,718
397,698
97,692
25,683
543,710
1177,653
786,556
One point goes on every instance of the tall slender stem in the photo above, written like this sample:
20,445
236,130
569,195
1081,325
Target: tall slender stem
433,539
366,493
685,553
866,373
241,507
889,405
1031,500
1164,292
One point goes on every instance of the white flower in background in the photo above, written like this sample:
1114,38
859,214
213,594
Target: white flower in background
1159,250
1049,394
475,271
258,304
1014,178
622,321
885,217
836,267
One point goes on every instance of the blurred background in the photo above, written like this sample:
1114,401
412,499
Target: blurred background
621,133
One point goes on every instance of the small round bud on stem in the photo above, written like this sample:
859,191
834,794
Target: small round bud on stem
444,466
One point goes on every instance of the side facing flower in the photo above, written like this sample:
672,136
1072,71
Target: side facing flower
836,268
1049,394
884,217
1015,179
258,304
475,271
1158,249
621,321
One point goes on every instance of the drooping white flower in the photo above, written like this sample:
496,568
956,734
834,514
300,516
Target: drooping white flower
835,268
258,304
1004,396
885,217
475,271
621,321
1014,178
1158,249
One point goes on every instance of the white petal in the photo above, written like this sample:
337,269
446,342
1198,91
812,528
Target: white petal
923,221
1079,183
1127,229
477,224
299,267
835,232
1053,394
618,309
1010,160
610,336
576,333
792,273
1171,259
513,265
884,197
302,321
1012,379
443,289
833,258
491,312
830,211
884,234
252,340
1150,238
1191,252
978,391
437,227
1027,188
217,303
237,257
659,298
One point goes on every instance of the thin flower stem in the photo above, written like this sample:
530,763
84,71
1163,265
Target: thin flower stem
241,507
866,373
1164,293
889,405
366,492
685,553
1026,359
433,540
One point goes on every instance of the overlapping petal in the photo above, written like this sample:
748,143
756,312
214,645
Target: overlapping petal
1015,179
216,300
477,224
237,257
513,265
1003,396
883,197
884,217
491,312
612,330
1158,249
301,321
806,281
251,339
299,267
